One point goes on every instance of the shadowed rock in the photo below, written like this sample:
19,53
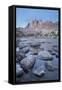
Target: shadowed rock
24,50
34,51
35,44
22,45
17,43
19,70
50,66
19,56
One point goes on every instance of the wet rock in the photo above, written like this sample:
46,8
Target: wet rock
22,45
29,53
24,50
17,60
20,56
19,70
46,46
55,53
55,48
55,62
35,44
45,55
52,53
28,62
39,68
42,48
34,51
50,66
17,49
17,43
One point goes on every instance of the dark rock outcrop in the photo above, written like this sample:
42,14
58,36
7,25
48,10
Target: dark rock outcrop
19,70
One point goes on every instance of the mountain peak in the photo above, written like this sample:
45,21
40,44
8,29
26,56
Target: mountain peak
41,24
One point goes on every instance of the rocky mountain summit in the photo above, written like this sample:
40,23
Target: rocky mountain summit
41,24
38,27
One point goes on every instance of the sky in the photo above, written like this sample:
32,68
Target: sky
25,15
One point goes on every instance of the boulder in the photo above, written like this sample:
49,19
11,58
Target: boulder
19,70
24,50
17,60
29,53
28,62
50,66
17,49
46,46
17,43
55,48
22,45
20,56
35,44
39,68
45,55
34,51
41,48
55,53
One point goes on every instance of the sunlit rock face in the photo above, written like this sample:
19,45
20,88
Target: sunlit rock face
38,27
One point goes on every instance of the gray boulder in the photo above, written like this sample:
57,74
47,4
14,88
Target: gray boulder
19,56
17,49
39,68
29,53
55,53
17,60
46,46
17,43
35,44
19,70
34,51
28,62
41,48
50,66
24,50
45,55
55,48
22,45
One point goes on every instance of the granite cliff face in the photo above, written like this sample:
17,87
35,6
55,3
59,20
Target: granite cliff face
38,27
